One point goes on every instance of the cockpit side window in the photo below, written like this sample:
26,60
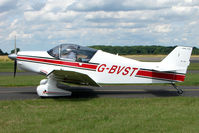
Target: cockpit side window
85,55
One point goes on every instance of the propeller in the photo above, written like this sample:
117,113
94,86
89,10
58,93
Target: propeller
14,57
15,67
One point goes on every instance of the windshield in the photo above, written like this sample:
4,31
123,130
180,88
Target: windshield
72,52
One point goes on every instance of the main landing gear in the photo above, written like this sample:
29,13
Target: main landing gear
179,91
48,88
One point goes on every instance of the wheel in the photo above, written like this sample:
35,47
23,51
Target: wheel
180,92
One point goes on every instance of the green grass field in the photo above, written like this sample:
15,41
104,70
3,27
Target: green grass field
10,81
191,79
7,67
193,66
101,115
5,58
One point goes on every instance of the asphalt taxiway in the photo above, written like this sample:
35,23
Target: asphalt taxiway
134,91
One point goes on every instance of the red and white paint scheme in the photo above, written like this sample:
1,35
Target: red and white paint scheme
80,65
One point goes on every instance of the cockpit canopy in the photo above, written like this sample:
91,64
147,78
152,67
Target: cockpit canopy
72,52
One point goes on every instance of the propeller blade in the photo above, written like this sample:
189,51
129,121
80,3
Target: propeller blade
15,67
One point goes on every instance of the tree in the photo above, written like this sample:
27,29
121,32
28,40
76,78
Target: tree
2,53
12,51
124,50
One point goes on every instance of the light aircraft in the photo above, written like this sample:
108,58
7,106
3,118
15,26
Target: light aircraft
75,64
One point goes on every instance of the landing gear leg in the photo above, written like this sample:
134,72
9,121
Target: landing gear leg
179,91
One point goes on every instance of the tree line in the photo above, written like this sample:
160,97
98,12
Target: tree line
12,51
139,50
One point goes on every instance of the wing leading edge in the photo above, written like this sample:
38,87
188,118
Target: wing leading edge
74,78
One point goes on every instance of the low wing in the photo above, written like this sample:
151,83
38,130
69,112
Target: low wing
74,78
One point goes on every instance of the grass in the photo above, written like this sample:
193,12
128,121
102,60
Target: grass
5,59
177,115
193,66
20,80
191,79
144,56
6,66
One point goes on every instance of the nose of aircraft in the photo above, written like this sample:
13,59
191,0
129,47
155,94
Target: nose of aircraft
12,56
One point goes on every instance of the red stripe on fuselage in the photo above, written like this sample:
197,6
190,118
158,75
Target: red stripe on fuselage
59,62
160,75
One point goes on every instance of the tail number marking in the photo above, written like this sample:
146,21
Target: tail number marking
117,69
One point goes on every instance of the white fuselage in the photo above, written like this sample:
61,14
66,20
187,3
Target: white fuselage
103,68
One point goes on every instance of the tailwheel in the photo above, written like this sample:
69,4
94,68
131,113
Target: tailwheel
179,91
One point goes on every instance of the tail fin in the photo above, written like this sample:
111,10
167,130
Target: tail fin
178,59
